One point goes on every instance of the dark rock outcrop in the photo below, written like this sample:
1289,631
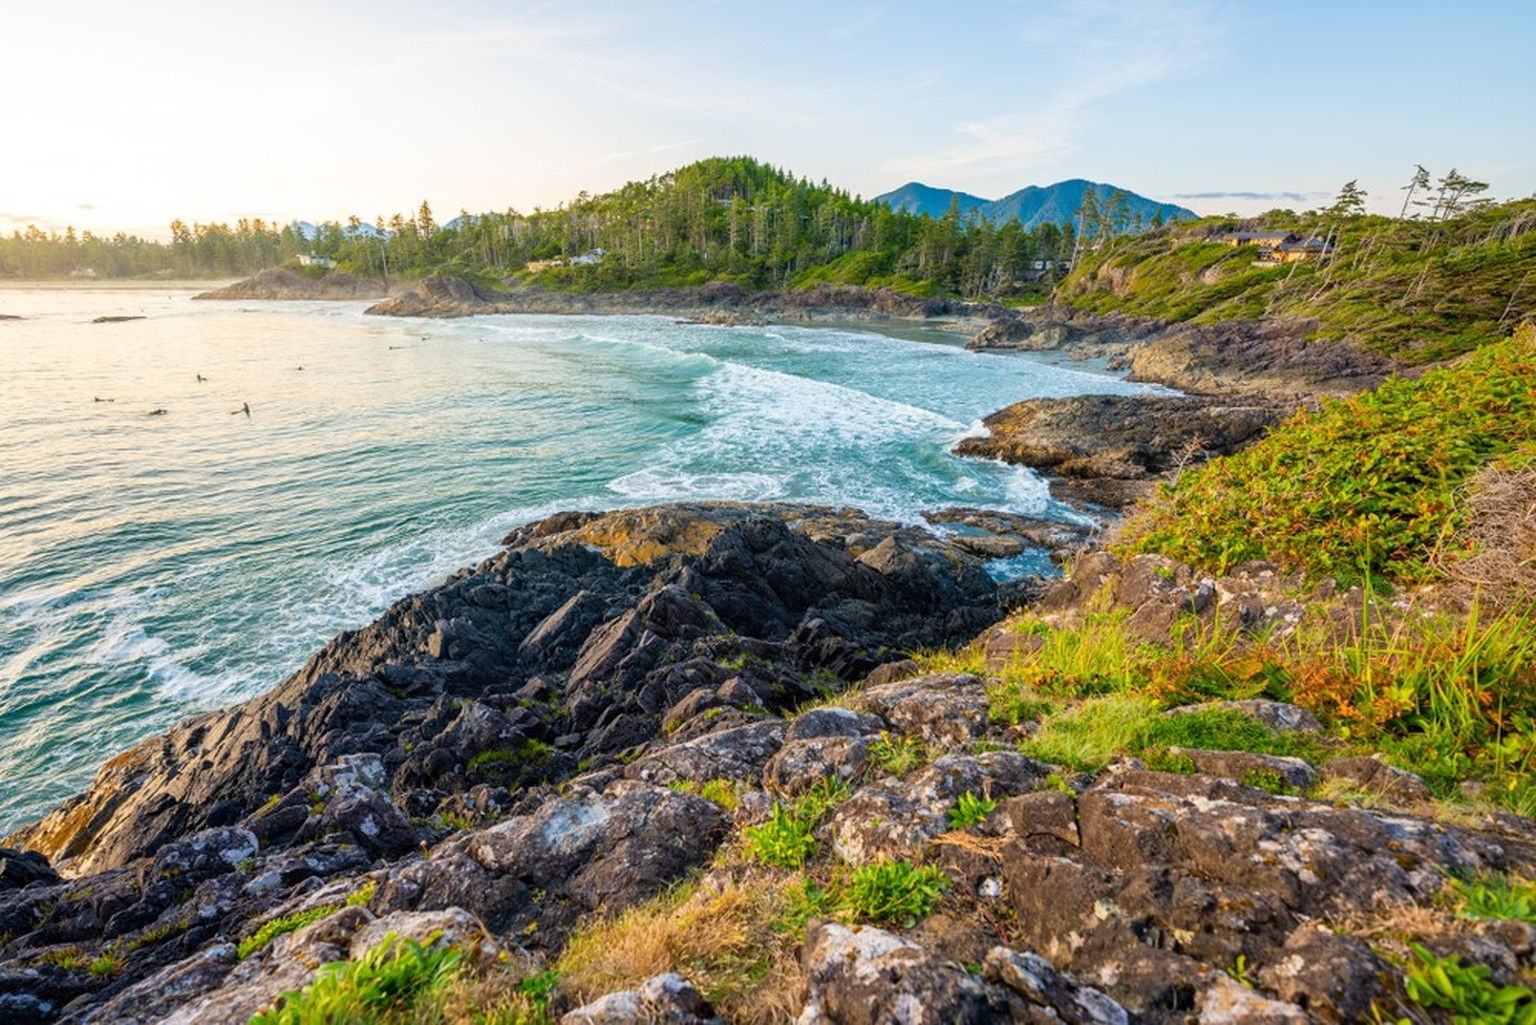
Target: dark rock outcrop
1108,450
587,626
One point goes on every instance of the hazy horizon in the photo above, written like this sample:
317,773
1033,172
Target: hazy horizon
140,115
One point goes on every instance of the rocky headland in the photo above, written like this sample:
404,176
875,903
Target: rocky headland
1239,378
508,760
281,283
716,302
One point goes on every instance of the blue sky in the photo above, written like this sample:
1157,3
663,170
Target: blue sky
127,115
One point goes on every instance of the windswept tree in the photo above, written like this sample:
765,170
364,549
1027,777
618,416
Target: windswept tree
1454,194
1350,201
1418,183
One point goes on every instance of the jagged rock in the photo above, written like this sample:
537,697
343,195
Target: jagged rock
832,722
666,999
23,868
866,976
944,711
448,927
160,995
289,962
1040,985
1111,447
1226,1001
452,880
1277,715
211,852
674,582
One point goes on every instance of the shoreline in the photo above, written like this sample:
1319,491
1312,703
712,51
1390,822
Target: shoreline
112,284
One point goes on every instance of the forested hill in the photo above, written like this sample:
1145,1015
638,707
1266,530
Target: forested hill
1419,288
730,219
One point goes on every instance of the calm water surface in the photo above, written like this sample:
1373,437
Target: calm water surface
152,566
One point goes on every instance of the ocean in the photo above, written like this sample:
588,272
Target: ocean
158,564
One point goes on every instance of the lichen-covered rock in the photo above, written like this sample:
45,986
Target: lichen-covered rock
1250,767
801,764
209,853
1332,978
738,754
866,976
666,999
896,817
1277,715
612,848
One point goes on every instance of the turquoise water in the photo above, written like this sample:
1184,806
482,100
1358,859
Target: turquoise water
152,566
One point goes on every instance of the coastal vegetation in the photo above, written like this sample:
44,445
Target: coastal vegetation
723,219
1419,288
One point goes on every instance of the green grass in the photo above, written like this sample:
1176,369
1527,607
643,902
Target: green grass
724,792
1368,487
281,927
897,755
387,984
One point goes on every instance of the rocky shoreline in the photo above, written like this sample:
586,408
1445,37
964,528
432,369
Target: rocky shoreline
498,759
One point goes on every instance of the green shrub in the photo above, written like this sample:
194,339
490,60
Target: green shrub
385,984
1466,991
784,840
1496,898
896,892
970,810
1368,486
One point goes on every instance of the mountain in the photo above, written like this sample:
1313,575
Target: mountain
1032,206
917,198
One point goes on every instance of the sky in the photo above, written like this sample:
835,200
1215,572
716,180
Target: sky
125,116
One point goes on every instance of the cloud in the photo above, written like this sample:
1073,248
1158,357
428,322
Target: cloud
1293,197
1108,49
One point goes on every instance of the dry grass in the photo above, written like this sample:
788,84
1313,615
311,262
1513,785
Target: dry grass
1392,927
1498,568
722,938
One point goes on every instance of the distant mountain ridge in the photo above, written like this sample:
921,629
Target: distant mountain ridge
1031,206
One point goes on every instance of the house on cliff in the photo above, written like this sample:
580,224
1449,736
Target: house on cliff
1279,246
